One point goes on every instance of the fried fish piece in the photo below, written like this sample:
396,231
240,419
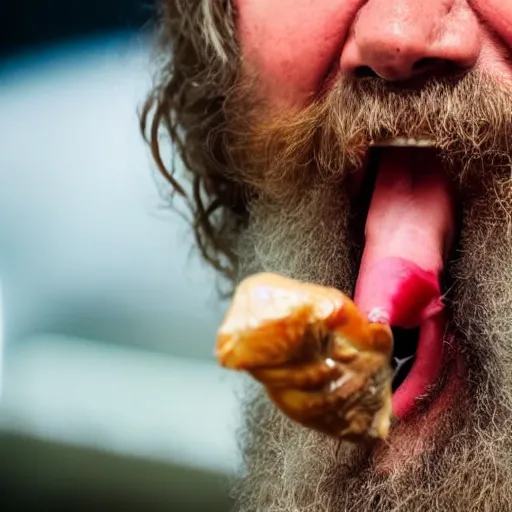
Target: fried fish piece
321,361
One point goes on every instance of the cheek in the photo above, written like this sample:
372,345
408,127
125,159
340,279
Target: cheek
498,16
293,44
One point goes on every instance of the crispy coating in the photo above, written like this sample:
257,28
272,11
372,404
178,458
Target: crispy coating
321,361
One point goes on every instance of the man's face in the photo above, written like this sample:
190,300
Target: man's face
376,136
295,45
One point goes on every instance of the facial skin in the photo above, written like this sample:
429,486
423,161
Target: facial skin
294,45
280,102
444,457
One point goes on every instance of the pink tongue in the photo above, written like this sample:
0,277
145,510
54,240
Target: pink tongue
409,229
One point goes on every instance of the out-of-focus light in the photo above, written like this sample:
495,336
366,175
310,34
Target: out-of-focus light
114,262
1,340
123,401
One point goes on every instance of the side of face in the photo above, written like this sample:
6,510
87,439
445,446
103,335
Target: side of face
299,50
296,45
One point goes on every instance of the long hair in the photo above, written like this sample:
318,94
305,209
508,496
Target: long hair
197,61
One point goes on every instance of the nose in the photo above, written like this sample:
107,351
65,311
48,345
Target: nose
400,40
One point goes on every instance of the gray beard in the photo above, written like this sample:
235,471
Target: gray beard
465,464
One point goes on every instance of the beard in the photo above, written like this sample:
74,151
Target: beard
305,224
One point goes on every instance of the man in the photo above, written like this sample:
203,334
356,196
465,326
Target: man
364,145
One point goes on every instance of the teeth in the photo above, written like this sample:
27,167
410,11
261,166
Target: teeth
404,142
399,363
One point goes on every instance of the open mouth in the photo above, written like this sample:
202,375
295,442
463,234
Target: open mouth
404,353
409,234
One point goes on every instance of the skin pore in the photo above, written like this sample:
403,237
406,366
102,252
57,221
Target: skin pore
272,106
294,45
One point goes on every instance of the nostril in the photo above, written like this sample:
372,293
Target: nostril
428,63
425,67
422,69
364,72
438,67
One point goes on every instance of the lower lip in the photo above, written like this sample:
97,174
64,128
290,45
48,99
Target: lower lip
426,368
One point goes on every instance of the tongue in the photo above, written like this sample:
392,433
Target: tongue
409,230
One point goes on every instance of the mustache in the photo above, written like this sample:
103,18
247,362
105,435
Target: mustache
466,462
467,118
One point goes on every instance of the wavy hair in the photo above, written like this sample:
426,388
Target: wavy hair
197,59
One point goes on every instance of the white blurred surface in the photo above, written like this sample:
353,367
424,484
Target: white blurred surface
110,316
2,341
88,246
123,401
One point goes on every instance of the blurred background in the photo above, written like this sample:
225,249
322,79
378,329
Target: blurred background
110,397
